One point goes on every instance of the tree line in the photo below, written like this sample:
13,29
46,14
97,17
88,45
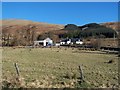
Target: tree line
88,30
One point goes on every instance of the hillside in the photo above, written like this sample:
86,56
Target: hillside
15,24
89,30
24,32
113,25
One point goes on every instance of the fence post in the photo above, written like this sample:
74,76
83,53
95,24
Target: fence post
81,73
17,69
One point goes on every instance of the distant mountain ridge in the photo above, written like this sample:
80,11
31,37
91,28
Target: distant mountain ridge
22,22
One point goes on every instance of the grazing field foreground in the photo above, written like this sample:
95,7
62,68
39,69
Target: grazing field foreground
58,68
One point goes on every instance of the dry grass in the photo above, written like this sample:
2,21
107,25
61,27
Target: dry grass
57,68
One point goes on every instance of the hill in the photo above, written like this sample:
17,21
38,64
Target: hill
113,25
24,32
89,30
15,24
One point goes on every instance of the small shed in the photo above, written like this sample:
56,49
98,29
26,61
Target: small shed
45,42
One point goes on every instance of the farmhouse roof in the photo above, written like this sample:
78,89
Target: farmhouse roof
47,39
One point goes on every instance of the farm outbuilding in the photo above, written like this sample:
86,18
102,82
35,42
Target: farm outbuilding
76,41
45,42
71,41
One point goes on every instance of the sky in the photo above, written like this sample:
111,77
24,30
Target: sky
62,12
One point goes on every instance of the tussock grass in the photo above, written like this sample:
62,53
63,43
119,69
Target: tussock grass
44,67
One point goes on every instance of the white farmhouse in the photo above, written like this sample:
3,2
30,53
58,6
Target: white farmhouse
79,42
44,42
71,41
76,41
65,41
62,42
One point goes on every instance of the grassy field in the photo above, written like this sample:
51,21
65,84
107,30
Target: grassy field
58,68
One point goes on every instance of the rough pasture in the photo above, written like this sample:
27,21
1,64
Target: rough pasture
58,67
